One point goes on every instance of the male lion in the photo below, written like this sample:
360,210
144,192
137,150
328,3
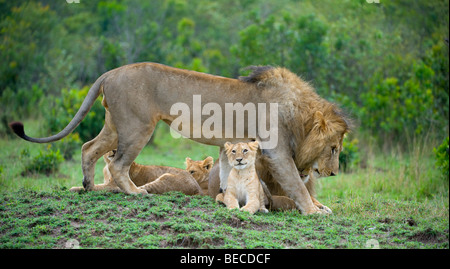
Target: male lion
136,96
160,179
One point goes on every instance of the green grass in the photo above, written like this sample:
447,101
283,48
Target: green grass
51,219
400,201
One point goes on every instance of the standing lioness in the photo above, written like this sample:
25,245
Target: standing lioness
136,96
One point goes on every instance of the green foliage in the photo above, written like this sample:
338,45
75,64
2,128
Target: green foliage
21,102
349,156
391,108
46,162
25,33
442,158
296,43
63,109
394,80
69,145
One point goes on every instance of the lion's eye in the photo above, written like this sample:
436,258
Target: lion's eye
191,172
233,151
333,150
245,150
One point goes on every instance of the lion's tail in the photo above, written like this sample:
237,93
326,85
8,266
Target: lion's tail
88,102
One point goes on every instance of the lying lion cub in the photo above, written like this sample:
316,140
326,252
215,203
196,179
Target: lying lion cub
244,188
160,179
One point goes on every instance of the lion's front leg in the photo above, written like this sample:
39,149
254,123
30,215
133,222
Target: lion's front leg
225,169
285,172
230,199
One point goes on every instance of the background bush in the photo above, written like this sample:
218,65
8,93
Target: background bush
61,110
46,162
69,145
442,158
386,63
349,157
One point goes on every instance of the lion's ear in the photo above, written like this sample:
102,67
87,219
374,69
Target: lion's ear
253,145
319,121
208,163
227,145
188,161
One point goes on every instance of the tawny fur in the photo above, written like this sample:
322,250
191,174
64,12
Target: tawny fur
137,96
315,124
200,171
161,179
244,190
280,202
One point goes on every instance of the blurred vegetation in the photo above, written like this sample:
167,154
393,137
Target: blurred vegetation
442,158
386,63
46,162
61,109
349,157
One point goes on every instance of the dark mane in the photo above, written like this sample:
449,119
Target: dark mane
347,118
256,74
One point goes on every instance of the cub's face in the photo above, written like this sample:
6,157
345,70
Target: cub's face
240,155
199,170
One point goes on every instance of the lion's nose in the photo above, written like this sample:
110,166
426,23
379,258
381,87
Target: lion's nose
239,160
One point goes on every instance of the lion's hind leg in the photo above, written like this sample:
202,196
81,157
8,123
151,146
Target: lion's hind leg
283,203
108,183
91,151
130,145
220,198
165,183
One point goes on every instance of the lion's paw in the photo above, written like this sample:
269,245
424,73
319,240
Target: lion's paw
141,191
264,210
317,210
326,209
246,209
76,189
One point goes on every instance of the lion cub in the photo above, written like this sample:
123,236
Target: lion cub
189,181
244,188
160,179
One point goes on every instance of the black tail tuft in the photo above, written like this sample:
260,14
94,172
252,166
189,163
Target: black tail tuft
17,128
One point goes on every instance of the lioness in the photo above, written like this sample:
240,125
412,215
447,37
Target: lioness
136,96
244,188
160,179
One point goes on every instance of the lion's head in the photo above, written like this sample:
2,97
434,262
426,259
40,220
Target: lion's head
200,169
240,155
323,143
315,127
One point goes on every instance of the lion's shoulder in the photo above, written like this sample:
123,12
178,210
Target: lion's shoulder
272,76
